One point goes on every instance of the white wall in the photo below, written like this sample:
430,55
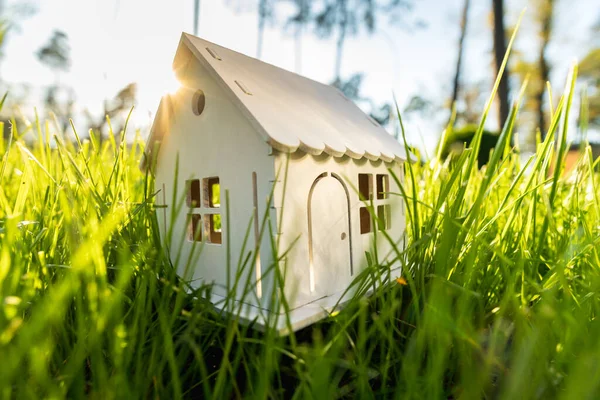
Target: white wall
220,142
302,170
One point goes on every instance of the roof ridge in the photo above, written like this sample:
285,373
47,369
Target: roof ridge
290,111
191,37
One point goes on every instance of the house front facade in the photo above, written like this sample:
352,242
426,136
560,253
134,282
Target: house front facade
260,170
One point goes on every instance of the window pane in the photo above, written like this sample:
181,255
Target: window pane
365,220
365,186
212,192
384,216
192,198
383,186
212,228
216,220
388,216
194,230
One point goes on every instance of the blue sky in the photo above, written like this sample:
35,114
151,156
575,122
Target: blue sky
115,42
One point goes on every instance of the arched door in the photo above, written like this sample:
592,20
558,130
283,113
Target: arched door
330,238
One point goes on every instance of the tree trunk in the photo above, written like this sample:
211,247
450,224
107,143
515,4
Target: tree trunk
343,25
339,53
196,16
461,41
545,32
299,33
262,16
499,51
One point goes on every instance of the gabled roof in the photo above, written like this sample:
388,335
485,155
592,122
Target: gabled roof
292,112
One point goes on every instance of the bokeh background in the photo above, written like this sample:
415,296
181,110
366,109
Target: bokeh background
83,59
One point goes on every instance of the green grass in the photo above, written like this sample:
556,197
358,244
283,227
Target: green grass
499,296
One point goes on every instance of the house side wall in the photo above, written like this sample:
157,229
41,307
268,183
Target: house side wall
221,143
291,197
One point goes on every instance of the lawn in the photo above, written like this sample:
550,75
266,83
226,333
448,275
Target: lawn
498,297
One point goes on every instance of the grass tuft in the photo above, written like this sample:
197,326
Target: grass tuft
499,295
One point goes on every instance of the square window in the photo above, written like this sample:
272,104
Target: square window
194,231
384,216
212,228
365,186
192,198
212,192
365,220
383,186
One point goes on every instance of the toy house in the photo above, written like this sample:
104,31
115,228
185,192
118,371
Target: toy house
243,142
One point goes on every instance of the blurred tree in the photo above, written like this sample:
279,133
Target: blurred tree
119,105
589,71
196,17
528,69
459,139
342,18
56,55
299,19
537,70
473,98
265,13
544,12
461,42
420,105
499,51
9,19
351,89
346,17
4,27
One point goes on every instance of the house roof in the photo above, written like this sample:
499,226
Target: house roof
292,112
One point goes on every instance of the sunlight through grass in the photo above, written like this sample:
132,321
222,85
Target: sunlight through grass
498,297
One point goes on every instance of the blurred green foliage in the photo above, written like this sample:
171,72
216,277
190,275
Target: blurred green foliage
459,139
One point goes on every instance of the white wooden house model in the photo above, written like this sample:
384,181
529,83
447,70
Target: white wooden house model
276,143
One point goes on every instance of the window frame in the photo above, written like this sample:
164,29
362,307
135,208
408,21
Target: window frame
203,211
376,211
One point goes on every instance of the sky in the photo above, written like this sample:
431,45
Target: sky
115,42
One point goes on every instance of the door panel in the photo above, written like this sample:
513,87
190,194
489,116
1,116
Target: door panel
329,236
